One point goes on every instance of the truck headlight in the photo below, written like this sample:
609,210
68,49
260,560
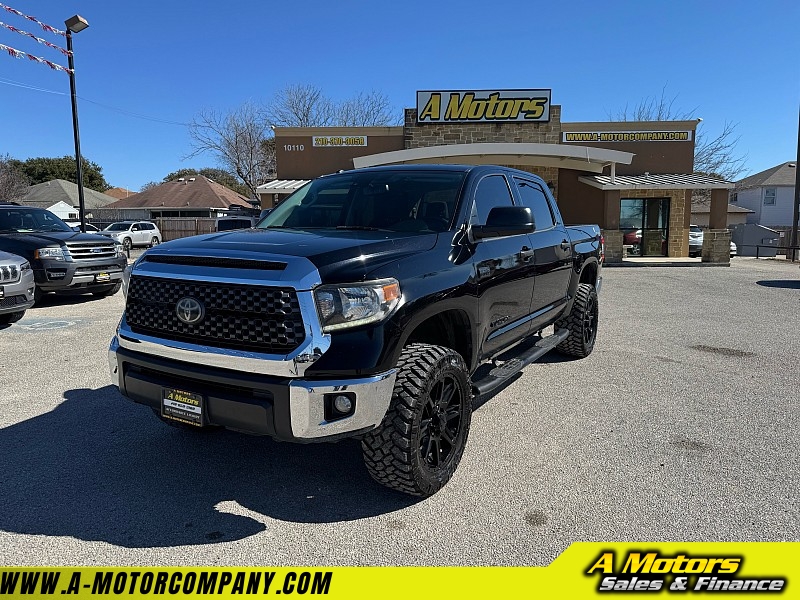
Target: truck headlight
126,279
351,305
26,266
51,253
120,250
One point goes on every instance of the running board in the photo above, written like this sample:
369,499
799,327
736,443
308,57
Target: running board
500,375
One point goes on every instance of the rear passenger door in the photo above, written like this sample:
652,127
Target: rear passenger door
502,272
552,253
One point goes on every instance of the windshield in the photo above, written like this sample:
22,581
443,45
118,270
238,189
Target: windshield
402,200
24,219
118,227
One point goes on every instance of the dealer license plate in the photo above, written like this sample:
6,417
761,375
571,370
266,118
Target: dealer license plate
100,277
185,407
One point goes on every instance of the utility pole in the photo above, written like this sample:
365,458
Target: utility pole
793,240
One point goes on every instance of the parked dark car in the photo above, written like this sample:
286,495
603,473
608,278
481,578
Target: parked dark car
63,260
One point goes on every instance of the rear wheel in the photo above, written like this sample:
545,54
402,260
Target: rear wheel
581,323
419,444
154,242
8,318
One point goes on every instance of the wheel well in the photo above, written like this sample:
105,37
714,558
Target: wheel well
589,274
450,328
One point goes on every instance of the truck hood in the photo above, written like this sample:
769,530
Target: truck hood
52,238
339,255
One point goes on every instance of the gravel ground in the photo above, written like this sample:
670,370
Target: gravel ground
680,426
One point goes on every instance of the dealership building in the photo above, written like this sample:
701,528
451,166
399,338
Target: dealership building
633,178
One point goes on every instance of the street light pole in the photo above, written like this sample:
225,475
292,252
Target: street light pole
76,24
793,240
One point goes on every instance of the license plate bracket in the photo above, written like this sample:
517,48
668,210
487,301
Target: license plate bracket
184,407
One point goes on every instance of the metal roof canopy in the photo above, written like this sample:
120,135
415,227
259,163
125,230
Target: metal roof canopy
281,186
681,181
582,158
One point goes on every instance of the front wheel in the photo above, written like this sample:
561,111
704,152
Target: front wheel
419,444
8,318
581,323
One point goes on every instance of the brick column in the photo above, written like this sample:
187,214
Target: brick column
613,239
717,246
611,208
718,219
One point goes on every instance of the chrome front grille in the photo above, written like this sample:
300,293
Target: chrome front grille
91,250
244,317
9,273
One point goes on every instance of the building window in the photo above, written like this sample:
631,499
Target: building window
769,195
734,198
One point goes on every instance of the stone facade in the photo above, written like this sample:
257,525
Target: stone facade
717,246
678,236
613,239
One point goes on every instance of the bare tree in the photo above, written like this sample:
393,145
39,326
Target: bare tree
299,105
13,182
715,156
236,138
307,106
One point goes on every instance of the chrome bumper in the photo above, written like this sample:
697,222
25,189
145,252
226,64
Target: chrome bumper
307,401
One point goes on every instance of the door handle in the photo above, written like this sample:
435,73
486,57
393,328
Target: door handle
526,253
565,245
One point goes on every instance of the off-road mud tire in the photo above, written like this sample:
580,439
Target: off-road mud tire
581,323
419,444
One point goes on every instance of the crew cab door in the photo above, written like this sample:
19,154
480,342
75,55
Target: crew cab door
552,253
502,274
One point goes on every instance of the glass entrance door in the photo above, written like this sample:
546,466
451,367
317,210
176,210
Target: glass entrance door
645,225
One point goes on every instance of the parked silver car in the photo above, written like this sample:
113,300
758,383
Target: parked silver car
133,233
16,287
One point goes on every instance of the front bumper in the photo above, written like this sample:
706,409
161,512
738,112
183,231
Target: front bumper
77,276
17,296
284,408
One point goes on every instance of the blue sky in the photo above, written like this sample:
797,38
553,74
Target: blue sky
729,61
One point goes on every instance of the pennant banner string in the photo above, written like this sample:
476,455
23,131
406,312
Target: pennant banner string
38,39
20,54
34,19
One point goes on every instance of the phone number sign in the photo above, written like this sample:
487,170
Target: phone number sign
332,141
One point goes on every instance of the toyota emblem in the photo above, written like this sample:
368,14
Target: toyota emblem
190,311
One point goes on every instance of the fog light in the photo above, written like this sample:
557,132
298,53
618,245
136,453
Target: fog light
343,404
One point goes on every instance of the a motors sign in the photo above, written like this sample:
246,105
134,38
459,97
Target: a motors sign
496,106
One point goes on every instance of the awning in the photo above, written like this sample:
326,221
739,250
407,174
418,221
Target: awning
582,158
281,186
679,181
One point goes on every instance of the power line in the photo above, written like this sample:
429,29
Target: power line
106,106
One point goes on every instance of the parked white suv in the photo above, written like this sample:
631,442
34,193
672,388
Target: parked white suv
133,233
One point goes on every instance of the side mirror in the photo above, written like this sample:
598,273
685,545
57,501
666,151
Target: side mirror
505,221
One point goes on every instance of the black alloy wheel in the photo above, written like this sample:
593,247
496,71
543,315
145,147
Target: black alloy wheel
419,444
440,424
581,323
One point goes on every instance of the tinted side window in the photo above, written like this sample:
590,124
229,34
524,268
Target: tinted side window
492,191
534,198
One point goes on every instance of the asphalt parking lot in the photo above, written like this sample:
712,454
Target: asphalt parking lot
682,425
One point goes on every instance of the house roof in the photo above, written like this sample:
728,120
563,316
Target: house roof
119,193
52,192
681,181
705,207
782,174
193,192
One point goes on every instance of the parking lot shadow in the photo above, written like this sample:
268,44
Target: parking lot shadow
789,284
99,467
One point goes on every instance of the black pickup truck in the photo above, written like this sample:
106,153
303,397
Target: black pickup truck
371,303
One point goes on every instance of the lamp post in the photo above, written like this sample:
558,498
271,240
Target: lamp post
74,25
796,212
